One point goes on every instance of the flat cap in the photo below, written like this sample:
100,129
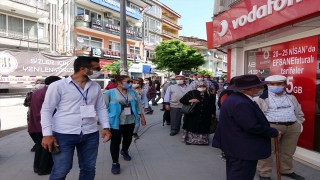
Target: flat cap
276,78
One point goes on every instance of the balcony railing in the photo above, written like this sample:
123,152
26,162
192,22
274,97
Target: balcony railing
23,36
170,20
34,3
170,34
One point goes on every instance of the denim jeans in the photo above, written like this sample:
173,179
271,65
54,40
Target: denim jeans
87,150
149,107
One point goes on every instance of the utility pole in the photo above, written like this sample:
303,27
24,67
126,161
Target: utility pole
123,39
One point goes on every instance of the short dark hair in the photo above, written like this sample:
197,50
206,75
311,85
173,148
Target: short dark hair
83,61
121,78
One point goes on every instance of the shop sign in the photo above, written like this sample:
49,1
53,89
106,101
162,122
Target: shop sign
114,5
136,68
104,62
100,25
297,60
251,17
98,52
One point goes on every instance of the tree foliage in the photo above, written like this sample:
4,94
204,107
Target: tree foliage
205,72
175,56
115,67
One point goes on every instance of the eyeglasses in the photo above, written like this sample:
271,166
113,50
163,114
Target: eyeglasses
94,69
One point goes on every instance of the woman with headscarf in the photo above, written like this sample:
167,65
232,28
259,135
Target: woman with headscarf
151,92
196,127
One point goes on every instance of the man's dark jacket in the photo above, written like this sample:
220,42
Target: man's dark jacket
243,131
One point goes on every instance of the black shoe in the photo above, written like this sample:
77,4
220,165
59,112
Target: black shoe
265,178
115,168
172,134
135,136
35,170
43,173
294,176
168,124
148,112
154,104
33,149
188,143
125,155
162,109
151,112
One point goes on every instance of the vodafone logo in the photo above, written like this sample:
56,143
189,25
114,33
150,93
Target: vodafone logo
257,13
224,28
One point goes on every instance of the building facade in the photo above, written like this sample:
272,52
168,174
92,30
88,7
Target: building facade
267,38
170,23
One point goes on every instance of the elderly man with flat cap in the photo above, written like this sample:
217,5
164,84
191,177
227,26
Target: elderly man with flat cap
243,133
284,113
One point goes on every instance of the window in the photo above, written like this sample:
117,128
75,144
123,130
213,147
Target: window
30,28
82,11
152,38
155,10
134,7
153,25
15,24
95,15
114,46
91,42
3,22
116,22
134,50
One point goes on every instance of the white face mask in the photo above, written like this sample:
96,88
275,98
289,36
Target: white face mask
168,81
201,89
135,85
39,86
200,79
180,81
146,82
220,81
260,92
94,75
225,87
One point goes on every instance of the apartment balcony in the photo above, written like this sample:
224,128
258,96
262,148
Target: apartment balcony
171,23
169,34
30,8
23,36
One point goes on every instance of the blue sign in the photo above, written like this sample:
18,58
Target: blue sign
146,69
116,7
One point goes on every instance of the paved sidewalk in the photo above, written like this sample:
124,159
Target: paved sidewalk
156,156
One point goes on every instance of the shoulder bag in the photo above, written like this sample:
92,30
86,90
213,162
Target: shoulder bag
188,109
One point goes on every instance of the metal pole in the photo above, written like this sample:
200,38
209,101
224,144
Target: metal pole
38,36
276,149
28,39
123,39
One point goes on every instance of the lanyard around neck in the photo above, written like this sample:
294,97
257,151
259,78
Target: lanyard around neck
85,98
126,98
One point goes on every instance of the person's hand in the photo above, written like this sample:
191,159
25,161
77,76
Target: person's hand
143,121
47,142
279,134
167,107
106,135
194,100
213,116
145,109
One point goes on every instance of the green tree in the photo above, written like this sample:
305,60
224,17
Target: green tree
204,71
175,56
115,67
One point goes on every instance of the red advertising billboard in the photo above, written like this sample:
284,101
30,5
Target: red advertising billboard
251,17
297,60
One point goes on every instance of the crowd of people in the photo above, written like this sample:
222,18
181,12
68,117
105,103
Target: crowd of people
63,116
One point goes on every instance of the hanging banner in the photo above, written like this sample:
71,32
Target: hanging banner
19,67
297,60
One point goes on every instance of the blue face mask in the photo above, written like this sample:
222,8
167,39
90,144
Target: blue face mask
127,86
276,89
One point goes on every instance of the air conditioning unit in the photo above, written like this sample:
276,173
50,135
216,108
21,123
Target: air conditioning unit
80,18
86,18
107,14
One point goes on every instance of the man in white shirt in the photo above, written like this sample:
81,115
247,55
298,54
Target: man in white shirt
76,100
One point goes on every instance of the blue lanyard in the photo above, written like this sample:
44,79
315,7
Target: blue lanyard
84,97
124,96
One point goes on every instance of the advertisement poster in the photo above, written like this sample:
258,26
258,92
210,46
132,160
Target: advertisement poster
297,60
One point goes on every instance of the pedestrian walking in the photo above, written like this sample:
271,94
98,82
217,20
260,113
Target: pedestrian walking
43,162
151,92
166,113
243,132
172,100
142,97
284,113
112,83
196,126
77,100
157,97
125,111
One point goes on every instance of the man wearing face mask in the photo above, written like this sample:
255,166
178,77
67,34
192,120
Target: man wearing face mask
200,77
172,103
166,114
112,83
243,132
77,100
284,113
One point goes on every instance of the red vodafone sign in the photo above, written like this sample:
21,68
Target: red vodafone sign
255,16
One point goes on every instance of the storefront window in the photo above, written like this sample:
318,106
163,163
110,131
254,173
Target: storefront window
299,61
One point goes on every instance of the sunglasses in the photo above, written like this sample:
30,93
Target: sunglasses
95,69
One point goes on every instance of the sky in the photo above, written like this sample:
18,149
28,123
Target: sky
194,15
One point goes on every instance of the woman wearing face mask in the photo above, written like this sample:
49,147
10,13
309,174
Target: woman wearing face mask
221,85
124,110
151,92
196,127
136,85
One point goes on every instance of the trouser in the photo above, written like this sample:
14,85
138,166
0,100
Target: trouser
87,150
156,98
126,131
166,117
287,147
43,161
175,116
149,107
238,169
34,137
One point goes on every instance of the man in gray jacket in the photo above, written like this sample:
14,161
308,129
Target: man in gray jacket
284,113
172,103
